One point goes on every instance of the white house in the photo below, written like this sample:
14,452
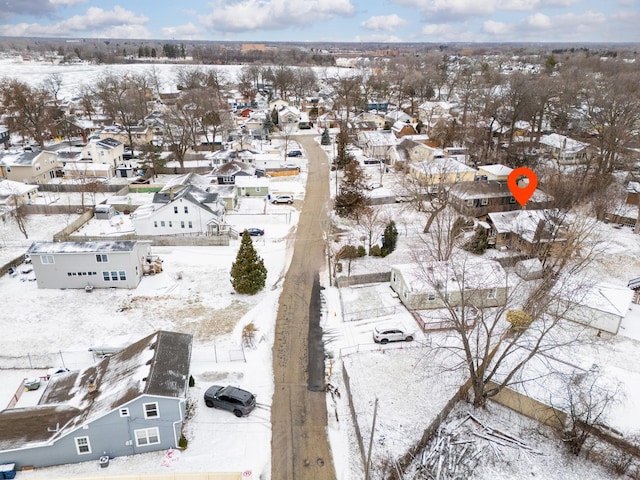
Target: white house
601,306
13,194
106,150
184,209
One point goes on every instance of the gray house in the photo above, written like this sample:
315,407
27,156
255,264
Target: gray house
460,282
119,264
132,402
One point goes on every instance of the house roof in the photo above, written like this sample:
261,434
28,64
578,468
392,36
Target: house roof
460,272
9,188
440,166
109,143
21,158
524,223
156,365
569,145
634,283
604,297
43,248
497,170
491,189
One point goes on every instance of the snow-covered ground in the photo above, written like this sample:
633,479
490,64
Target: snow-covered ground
194,295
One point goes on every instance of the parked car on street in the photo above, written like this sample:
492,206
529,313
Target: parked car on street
294,153
392,333
234,399
255,232
282,199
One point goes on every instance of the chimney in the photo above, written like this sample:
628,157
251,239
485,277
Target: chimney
92,385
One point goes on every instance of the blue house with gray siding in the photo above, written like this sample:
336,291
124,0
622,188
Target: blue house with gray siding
132,402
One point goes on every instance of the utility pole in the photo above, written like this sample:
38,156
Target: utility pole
373,427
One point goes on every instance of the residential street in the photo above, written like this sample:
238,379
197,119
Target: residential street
299,444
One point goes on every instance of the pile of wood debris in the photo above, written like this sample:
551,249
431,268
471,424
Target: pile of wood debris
461,446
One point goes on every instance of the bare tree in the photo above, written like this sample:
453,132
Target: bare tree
371,222
124,98
475,296
586,401
18,213
28,110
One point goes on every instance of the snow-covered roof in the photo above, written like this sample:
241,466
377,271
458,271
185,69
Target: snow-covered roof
9,187
439,166
155,365
524,223
465,271
567,144
498,170
47,248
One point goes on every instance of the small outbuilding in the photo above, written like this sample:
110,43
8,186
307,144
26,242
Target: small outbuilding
531,269
104,212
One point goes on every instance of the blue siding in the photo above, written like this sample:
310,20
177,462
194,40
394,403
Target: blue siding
111,434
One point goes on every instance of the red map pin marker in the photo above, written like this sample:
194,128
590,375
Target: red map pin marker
522,194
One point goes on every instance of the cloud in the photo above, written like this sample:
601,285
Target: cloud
67,3
382,38
440,11
437,29
539,20
186,32
250,15
497,28
25,7
386,23
116,23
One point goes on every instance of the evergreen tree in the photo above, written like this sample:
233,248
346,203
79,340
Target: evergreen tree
390,237
248,273
343,157
479,243
325,139
268,126
274,116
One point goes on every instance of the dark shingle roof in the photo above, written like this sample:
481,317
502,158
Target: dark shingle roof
155,365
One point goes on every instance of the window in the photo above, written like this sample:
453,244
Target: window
124,412
484,201
47,259
68,274
114,276
470,202
150,410
431,297
82,445
190,224
101,258
257,189
512,200
170,224
492,293
175,209
162,223
123,275
147,436
186,209
105,276
155,224
181,224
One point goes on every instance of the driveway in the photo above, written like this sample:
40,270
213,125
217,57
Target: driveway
299,444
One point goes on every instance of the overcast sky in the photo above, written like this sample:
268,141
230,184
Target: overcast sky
328,20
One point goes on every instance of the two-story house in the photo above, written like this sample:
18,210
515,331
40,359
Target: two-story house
478,198
99,264
129,403
30,165
181,208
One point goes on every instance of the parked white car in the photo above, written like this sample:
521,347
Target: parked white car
392,333
282,199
